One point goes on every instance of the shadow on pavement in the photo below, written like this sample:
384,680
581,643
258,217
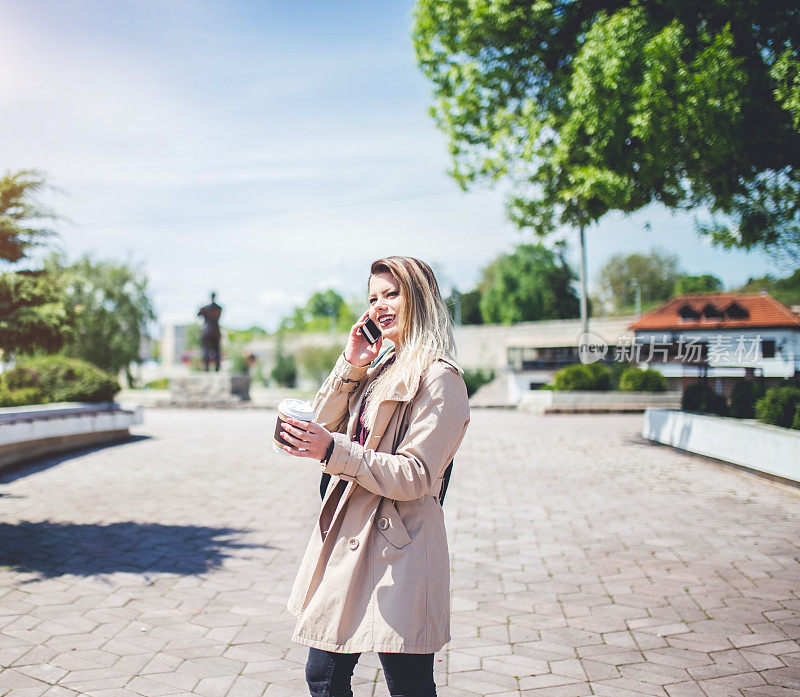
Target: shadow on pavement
52,549
23,469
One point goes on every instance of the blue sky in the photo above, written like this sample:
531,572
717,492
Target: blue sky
262,149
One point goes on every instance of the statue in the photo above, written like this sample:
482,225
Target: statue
210,336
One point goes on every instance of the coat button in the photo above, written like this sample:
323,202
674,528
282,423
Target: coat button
353,543
383,523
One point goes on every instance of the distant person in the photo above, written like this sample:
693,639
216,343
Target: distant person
376,572
210,336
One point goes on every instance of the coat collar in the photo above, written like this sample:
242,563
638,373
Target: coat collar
404,391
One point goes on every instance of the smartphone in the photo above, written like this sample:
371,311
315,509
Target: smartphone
370,331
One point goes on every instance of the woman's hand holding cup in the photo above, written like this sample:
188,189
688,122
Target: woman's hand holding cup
359,351
306,438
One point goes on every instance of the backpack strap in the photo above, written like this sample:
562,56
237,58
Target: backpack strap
445,482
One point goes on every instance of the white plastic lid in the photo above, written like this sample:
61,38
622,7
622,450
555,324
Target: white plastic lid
297,409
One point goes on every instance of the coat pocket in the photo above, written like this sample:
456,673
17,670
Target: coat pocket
390,525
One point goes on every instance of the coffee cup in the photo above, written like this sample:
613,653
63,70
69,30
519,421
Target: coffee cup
291,408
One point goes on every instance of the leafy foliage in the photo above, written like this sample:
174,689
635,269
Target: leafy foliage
323,311
531,283
787,289
61,379
744,396
637,380
586,107
583,377
21,397
21,217
32,316
705,283
109,307
32,313
475,379
656,272
700,397
778,406
284,371
316,362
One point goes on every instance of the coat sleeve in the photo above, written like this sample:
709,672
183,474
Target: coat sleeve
331,405
438,420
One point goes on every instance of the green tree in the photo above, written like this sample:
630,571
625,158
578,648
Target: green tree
656,272
588,107
531,283
110,309
323,310
22,219
705,283
32,313
786,289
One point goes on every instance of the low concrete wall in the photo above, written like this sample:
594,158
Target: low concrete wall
47,429
756,446
554,401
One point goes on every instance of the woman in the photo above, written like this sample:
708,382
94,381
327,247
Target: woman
375,575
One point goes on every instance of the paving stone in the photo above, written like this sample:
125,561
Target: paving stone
635,570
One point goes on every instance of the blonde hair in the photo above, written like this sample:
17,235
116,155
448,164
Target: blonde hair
425,331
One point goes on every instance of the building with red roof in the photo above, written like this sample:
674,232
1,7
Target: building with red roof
724,336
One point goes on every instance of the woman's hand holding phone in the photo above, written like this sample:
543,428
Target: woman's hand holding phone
359,351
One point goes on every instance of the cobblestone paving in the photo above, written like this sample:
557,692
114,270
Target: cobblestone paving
585,562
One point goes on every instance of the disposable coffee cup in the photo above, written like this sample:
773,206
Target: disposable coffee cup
298,409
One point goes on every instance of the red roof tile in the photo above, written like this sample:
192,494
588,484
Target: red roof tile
714,311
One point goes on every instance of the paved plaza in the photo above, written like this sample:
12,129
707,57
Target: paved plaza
585,562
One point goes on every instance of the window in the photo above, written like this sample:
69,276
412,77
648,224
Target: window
688,314
768,348
736,311
712,312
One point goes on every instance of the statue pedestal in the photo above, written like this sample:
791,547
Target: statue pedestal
209,390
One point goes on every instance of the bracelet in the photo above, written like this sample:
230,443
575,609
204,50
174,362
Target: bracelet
328,452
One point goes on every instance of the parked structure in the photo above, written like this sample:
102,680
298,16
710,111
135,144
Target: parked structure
721,336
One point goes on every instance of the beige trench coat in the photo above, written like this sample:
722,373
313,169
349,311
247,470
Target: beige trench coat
376,573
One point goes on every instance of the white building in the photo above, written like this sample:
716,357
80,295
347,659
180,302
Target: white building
724,336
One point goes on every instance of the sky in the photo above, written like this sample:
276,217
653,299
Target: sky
263,150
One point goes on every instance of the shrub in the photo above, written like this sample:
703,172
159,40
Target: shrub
21,397
779,406
637,380
796,421
700,397
63,379
19,378
617,369
284,372
744,396
594,376
316,362
475,379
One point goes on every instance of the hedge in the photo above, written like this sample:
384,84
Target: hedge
700,397
780,407
635,379
58,379
744,396
580,377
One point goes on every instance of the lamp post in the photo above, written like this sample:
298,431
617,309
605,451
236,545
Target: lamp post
638,288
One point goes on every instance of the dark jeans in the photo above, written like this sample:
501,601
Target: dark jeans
407,674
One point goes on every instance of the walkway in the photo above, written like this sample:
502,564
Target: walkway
585,562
